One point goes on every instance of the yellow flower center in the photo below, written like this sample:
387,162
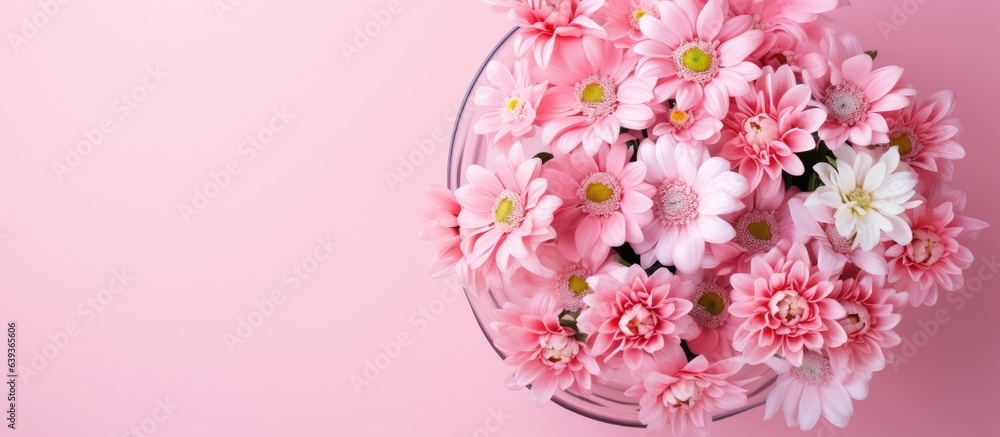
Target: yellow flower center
760,230
638,14
578,285
599,193
593,93
903,143
863,198
712,303
502,213
512,104
696,60
678,117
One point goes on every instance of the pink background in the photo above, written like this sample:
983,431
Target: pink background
162,338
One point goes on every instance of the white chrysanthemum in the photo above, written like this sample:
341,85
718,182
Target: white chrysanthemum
868,196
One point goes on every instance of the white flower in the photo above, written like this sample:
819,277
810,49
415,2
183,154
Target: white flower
868,196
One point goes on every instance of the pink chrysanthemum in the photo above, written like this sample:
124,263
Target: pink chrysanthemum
568,281
605,200
442,231
760,227
505,215
510,106
935,258
688,123
546,24
815,389
548,355
620,18
684,395
833,251
693,190
699,53
856,98
872,313
927,136
785,307
772,124
595,93
716,327
637,314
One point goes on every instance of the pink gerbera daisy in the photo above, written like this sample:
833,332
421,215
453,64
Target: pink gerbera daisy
935,259
595,93
548,355
927,136
620,18
688,123
545,24
684,395
605,200
700,53
637,314
785,307
760,227
568,281
815,389
442,231
693,190
510,107
716,327
772,124
856,98
505,215
872,313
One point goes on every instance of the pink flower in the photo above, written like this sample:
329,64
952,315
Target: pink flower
442,230
872,313
620,18
785,307
832,250
505,215
760,227
927,136
511,105
688,123
855,98
781,20
772,124
813,390
935,258
693,190
605,201
700,53
637,314
595,93
546,24
547,354
569,279
685,394
716,327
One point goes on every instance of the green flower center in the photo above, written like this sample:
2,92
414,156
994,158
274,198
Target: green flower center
903,143
599,193
593,93
712,303
760,230
502,213
696,60
578,285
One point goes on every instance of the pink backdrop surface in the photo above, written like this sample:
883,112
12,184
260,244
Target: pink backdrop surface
181,277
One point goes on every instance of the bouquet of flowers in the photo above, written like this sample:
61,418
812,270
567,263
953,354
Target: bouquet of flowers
719,184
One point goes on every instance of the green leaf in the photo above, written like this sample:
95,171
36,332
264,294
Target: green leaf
545,156
814,182
872,53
